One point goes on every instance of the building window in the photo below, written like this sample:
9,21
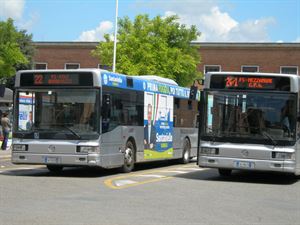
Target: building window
40,66
69,66
251,69
104,67
212,68
289,69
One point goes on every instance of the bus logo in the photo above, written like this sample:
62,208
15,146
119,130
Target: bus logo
245,153
51,148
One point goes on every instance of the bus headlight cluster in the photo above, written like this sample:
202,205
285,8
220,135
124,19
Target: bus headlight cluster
88,149
18,147
209,151
283,155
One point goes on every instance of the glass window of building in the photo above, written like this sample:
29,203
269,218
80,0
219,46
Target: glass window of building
252,69
289,69
40,66
69,66
212,68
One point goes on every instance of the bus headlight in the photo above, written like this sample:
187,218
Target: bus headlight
88,149
18,147
283,155
209,151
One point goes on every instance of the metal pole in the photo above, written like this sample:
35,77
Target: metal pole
115,38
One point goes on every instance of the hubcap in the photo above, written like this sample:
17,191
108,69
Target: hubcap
186,154
128,156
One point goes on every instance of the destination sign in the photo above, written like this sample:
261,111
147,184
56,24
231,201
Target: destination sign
57,79
249,82
240,82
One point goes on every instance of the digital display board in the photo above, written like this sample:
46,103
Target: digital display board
241,82
57,79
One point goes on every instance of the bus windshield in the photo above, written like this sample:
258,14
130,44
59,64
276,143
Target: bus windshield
250,117
57,114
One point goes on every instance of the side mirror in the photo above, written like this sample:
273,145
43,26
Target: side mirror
2,90
193,92
106,100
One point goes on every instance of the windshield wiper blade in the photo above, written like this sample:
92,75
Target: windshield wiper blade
72,131
265,134
69,129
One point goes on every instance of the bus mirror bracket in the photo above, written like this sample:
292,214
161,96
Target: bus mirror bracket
106,100
193,92
106,104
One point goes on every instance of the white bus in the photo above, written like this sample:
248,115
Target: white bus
250,122
91,117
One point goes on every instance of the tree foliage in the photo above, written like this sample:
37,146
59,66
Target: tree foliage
16,50
158,46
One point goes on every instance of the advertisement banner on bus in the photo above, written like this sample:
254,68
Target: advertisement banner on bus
158,126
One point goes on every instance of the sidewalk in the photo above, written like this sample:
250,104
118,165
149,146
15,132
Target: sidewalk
7,153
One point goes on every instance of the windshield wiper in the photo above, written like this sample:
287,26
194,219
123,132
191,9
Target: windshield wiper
72,131
269,137
69,129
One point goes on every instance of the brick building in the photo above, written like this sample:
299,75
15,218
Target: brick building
251,57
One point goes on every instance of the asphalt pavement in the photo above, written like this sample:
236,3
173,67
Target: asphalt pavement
6,154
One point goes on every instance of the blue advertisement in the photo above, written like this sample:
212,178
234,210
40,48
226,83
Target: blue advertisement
158,126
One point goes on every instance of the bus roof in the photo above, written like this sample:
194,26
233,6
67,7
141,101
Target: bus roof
252,74
101,77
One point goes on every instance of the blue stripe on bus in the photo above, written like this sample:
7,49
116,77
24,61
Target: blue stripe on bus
118,80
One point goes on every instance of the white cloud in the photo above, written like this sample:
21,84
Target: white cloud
252,30
96,34
216,24
298,39
11,9
28,24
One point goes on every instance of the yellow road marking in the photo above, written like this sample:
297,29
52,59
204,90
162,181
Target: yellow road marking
5,159
109,182
173,169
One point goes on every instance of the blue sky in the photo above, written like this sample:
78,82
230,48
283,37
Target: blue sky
217,20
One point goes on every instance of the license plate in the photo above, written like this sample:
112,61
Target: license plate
244,164
51,160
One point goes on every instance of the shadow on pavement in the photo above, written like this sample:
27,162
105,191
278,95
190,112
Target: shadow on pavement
84,172
242,177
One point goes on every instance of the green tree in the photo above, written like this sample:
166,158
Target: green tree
16,50
158,46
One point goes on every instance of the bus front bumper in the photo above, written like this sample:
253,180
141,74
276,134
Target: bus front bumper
288,166
56,159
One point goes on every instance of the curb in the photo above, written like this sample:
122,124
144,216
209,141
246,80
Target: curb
5,157
5,154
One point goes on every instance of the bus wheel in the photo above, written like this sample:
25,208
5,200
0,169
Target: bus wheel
54,168
129,158
225,172
186,153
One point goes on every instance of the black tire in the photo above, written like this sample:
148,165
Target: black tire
129,158
225,172
186,152
55,168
